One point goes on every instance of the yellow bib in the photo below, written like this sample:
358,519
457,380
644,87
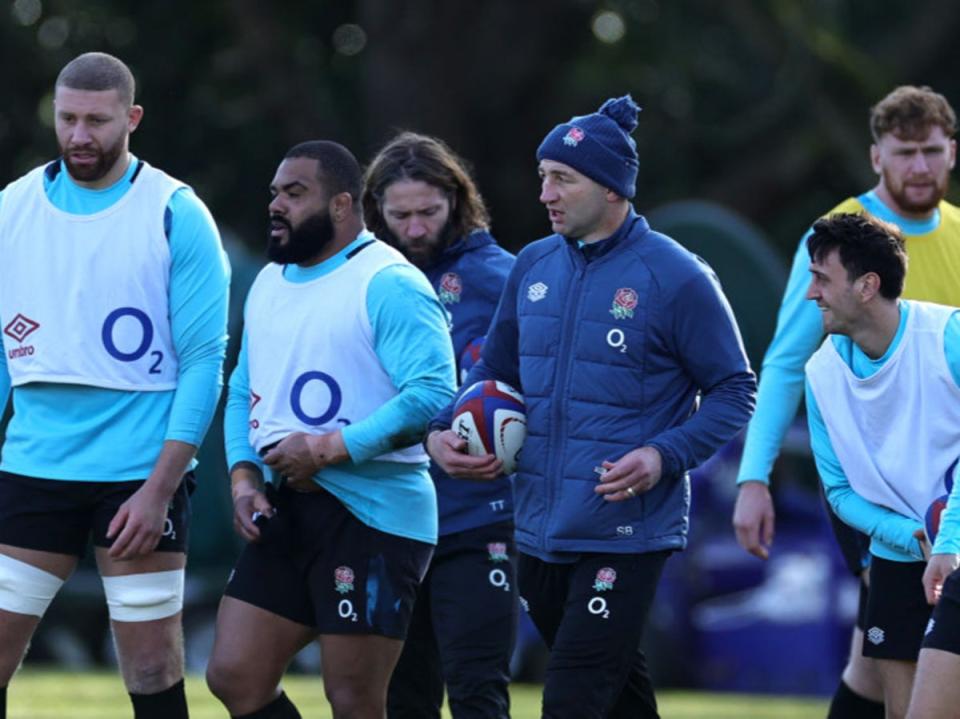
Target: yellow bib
933,274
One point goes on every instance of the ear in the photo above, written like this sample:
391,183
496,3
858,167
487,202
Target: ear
870,286
613,198
875,158
341,205
134,117
953,153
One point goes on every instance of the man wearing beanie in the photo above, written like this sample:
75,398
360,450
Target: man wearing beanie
633,372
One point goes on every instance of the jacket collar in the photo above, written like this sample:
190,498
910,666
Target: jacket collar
633,225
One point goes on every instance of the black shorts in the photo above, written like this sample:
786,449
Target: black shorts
318,565
862,595
54,515
897,610
943,631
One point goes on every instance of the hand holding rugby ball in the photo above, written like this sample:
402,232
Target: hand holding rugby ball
492,418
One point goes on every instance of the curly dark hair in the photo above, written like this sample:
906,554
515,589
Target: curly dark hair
865,244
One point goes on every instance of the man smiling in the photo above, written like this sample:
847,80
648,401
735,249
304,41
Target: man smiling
912,155
883,405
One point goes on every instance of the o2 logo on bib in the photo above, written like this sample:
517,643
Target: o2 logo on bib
127,335
316,398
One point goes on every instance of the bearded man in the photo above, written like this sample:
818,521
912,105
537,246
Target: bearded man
330,403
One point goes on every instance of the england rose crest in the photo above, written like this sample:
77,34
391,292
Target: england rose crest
573,137
624,303
343,578
450,288
605,579
497,551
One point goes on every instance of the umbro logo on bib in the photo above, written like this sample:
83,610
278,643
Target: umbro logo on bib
19,328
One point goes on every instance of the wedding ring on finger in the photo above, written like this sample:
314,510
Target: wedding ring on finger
631,492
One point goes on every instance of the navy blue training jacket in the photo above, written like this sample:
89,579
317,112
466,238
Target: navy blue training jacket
619,344
468,277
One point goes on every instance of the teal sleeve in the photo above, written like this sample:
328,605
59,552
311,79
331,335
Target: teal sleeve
881,524
199,296
948,539
4,371
5,383
798,334
236,416
951,345
413,345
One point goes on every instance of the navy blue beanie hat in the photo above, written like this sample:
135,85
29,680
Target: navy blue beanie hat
599,145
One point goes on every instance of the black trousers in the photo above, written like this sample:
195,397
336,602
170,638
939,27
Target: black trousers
591,614
462,632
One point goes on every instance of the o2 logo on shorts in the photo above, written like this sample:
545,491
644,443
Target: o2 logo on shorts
169,530
345,610
333,398
343,579
498,579
146,337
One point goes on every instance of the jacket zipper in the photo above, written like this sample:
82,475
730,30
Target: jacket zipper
564,361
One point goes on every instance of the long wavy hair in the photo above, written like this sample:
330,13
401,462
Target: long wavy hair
411,156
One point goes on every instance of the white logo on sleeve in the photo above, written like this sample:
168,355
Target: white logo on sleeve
875,635
537,292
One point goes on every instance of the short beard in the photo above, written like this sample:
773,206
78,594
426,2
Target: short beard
920,208
447,237
106,159
304,242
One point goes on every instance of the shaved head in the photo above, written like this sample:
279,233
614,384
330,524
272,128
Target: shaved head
97,71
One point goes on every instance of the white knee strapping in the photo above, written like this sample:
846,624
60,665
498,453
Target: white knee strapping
26,589
144,597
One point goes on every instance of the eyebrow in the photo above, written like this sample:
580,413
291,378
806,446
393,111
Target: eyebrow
556,173
289,186
425,208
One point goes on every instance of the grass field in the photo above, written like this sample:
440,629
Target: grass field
36,694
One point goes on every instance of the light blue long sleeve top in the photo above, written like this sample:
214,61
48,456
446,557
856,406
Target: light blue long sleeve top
85,433
891,533
798,334
412,342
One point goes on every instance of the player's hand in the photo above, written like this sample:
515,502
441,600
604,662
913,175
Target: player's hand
753,518
938,569
299,456
448,450
636,472
138,525
248,505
